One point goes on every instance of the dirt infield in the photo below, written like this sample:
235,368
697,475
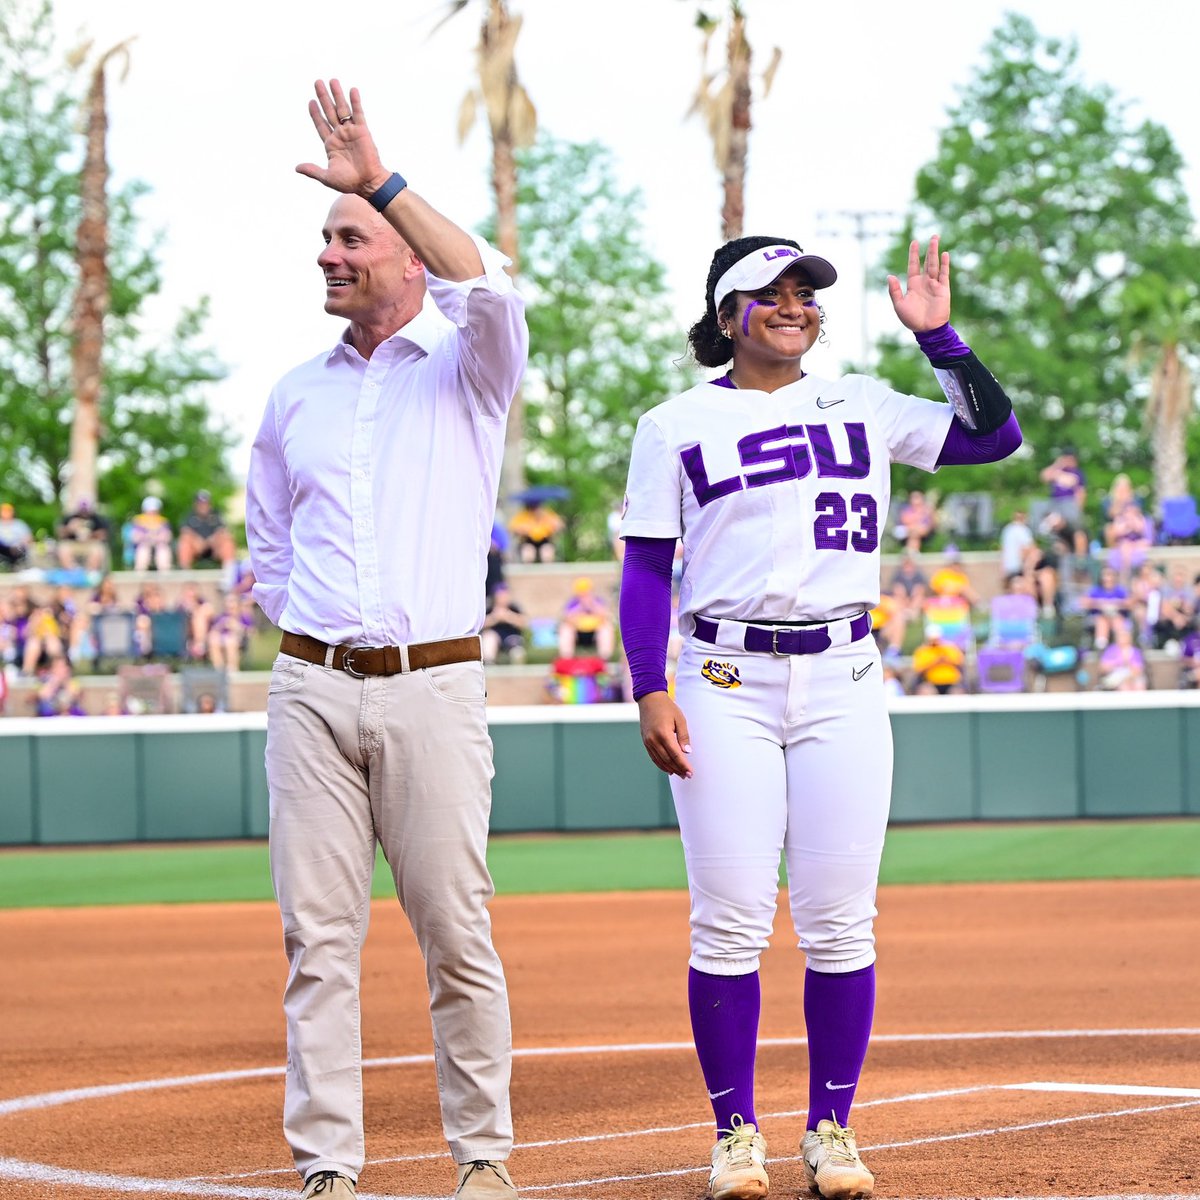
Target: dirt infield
1032,1040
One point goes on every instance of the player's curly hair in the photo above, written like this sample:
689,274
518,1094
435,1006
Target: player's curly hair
710,348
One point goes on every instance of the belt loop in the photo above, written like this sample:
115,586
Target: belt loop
405,669
329,653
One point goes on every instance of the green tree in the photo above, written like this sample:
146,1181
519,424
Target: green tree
155,425
724,100
512,124
1046,193
602,336
1162,307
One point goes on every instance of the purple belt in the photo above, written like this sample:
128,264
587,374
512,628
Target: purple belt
805,639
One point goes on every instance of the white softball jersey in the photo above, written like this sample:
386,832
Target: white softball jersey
781,498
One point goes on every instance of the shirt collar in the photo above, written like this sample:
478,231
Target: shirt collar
423,331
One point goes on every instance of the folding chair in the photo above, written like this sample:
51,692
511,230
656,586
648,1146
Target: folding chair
197,682
1180,520
145,688
113,637
1001,661
952,615
168,634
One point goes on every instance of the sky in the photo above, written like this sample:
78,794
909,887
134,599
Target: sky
212,116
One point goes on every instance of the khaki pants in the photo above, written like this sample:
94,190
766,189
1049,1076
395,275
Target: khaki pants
405,761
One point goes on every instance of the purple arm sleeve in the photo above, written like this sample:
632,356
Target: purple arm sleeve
941,342
646,611
962,448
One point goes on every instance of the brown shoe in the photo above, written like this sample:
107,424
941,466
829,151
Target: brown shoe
328,1185
484,1180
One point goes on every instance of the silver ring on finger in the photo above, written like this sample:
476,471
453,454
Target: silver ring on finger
343,120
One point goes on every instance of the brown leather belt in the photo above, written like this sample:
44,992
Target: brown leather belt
361,661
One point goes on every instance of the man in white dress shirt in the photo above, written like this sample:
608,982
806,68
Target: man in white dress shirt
370,501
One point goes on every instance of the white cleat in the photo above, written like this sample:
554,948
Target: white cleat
831,1162
739,1165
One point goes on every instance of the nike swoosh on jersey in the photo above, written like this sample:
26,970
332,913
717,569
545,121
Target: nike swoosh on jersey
835,1087
718,1095
829,403
861,672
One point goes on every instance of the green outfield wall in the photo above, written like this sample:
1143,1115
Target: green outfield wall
971,758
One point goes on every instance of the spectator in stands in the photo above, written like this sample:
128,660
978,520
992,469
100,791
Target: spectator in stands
16,538
82,539
195,605
229,634
535,526
917,522
1145,603
1015,537
72,620
888,624
503,630
893,685
1122,665
1189,659
44,639
1106,604
1045,561
20,611
586,623
151,535
951,578
1120,493
59,693
204,537
150,600
495,558
1177,608
10,633
938,666
909,587
1068,486
1128,533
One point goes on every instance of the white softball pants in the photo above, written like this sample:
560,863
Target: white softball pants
404,760
796,758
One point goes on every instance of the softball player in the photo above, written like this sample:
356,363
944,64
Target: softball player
778,482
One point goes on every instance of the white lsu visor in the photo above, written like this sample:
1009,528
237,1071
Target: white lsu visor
765,265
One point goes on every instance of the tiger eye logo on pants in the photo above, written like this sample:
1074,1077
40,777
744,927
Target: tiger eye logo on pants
720,674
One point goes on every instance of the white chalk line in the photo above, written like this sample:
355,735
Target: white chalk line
17,1169
74,1095
875,1149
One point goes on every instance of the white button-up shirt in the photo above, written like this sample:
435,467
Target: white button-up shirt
372,484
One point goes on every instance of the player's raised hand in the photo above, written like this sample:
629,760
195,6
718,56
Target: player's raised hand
665,734
354,164
926,302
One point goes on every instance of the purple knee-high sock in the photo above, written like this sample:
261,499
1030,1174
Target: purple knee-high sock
725,1012
838,1010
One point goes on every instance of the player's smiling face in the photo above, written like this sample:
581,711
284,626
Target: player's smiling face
779,322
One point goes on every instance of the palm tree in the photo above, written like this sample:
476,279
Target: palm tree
512,122
92,292
724,99
1163,305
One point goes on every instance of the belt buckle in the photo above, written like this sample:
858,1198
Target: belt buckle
775,644
348,661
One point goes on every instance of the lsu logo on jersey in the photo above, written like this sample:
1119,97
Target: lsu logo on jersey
721,674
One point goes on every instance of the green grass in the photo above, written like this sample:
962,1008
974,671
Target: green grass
610,862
